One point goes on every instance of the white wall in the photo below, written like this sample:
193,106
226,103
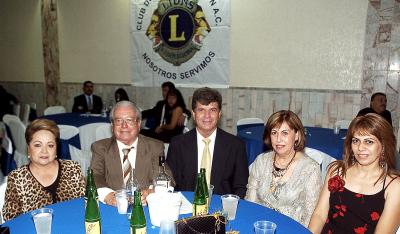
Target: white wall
313,44
21,51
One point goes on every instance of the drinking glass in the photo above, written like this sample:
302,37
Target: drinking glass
42,219
264,227
210,193
229,205
122,201
167,227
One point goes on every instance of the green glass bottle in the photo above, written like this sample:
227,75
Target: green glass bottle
92,215
90,186
138,220
199,201
205,186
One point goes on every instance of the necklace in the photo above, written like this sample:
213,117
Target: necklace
279,172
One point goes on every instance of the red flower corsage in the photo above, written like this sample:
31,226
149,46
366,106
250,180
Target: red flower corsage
336,184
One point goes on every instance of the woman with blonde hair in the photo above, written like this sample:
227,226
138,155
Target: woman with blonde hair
361,192
285,179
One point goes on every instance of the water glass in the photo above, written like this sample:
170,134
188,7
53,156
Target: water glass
167,227
264,227
42,219
122,201
336,129
229,205
210,193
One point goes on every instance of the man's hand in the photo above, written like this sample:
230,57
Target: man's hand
145,193
110,199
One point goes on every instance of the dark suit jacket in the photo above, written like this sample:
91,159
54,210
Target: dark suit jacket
229,171
80,104
107,168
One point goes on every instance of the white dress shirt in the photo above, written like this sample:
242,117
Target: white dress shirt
104,191
201,144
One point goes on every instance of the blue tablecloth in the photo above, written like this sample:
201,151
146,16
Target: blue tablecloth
69,218
322,139
76,119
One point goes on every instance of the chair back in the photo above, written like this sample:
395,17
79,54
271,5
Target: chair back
321,158
67,131
17,109
344,124
103,131
68,136
17,129
25,117
51,110
248,121
88,134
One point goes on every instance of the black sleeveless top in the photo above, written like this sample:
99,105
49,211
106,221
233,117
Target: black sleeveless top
351,212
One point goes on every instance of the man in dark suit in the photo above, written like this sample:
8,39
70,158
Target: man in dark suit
87,102
227,153
108,155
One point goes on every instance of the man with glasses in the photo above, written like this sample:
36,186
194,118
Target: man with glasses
110,156
87,102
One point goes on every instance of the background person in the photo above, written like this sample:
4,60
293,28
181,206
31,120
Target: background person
169,126
107,154
46,179
285,179
378,106
120,95
226,160
87,102
155,116
361,192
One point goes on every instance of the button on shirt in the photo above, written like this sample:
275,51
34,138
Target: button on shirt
200,147
103,192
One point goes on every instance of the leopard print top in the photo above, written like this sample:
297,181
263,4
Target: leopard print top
24,193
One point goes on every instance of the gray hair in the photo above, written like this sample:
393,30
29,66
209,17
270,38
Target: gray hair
126,104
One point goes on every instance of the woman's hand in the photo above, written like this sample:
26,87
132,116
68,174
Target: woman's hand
158,129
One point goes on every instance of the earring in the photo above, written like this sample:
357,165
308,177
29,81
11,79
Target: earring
353,159
382,162
29,156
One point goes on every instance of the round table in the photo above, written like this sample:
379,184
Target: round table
69,218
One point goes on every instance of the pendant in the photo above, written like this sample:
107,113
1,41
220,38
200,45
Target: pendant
272,188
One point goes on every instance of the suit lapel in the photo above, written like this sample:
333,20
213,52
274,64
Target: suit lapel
218,157
114,162
140,158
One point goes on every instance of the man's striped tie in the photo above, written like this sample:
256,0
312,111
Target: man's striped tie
126,164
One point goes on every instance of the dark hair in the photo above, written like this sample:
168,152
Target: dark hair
87,82
377,94
205,96
179,98
292,120
123,96
41,124
168,84
369,124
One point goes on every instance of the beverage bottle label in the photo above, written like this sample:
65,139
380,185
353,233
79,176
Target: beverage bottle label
199,209
138,230
92,227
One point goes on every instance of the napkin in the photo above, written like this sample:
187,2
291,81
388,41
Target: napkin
186,206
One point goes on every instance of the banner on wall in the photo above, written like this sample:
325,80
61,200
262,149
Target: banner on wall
183,41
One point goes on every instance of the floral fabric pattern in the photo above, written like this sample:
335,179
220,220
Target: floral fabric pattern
351,212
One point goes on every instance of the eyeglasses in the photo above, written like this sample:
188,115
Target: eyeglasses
129,121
